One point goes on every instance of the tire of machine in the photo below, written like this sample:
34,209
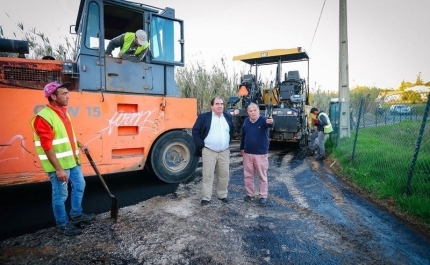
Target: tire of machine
172,157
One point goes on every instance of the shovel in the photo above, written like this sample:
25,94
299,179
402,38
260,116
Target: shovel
114,205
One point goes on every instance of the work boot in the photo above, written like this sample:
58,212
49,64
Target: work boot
263,201
320,157
310,151
248,198
69,230
204,202
82,219
224,200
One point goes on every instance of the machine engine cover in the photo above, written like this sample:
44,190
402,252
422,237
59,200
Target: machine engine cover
296,98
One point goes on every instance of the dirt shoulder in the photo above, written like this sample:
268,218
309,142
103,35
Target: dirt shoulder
388,205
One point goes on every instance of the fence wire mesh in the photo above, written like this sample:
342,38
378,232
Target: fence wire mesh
387,150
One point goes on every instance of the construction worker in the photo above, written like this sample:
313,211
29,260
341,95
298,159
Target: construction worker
58,151
313,132
323,128
132,45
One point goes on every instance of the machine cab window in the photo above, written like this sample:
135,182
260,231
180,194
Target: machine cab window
103,21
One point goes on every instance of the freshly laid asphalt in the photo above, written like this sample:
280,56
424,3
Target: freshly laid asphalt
312,217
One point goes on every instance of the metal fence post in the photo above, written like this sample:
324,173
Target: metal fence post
357,126
417,147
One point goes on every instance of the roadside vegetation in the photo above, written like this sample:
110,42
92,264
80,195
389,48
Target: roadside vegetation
40,44
380,163
381,160
197,81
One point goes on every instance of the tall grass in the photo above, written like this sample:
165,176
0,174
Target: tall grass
321,99
196,81
382,164
40,44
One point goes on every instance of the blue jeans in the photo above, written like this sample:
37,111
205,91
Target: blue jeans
60,194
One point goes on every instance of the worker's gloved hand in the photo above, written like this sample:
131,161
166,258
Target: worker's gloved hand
316,122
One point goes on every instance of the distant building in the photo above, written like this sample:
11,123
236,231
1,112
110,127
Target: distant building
396,95
391,96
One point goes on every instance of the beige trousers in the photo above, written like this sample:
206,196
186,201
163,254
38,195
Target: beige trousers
219,162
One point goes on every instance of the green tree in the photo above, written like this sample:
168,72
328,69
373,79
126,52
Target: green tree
405,95
419,81
364,91
404,85
414,97
370,95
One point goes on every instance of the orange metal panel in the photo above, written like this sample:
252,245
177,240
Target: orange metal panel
126,152
118,131
128,130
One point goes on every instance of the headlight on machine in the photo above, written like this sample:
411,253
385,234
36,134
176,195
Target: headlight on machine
296,98
291,113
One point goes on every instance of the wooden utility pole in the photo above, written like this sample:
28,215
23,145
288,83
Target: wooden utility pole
344,130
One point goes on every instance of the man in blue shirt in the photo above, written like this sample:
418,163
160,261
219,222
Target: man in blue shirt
254,147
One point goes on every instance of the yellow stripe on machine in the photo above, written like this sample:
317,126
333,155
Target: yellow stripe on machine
273,56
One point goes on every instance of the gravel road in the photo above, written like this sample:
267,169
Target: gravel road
311,218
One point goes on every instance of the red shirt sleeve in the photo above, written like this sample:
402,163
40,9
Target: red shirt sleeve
45,132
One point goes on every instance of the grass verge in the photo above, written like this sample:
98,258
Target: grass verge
383,164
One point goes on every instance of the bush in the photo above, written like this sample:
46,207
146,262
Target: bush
195,81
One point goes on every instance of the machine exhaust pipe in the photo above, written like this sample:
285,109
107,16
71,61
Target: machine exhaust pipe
14,46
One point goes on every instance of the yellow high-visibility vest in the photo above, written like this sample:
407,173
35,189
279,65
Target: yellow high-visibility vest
61,144
327,128
128,40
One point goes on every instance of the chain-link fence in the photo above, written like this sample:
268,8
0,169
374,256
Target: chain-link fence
385,148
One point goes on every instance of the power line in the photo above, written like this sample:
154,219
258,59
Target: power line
316,27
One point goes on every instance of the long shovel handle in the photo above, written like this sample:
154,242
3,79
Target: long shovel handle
87,153
114,206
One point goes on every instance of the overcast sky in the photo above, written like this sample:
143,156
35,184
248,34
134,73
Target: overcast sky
388,40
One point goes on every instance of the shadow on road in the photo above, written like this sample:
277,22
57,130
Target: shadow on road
27,208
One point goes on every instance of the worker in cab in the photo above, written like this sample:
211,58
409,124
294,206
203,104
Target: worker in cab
133,45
